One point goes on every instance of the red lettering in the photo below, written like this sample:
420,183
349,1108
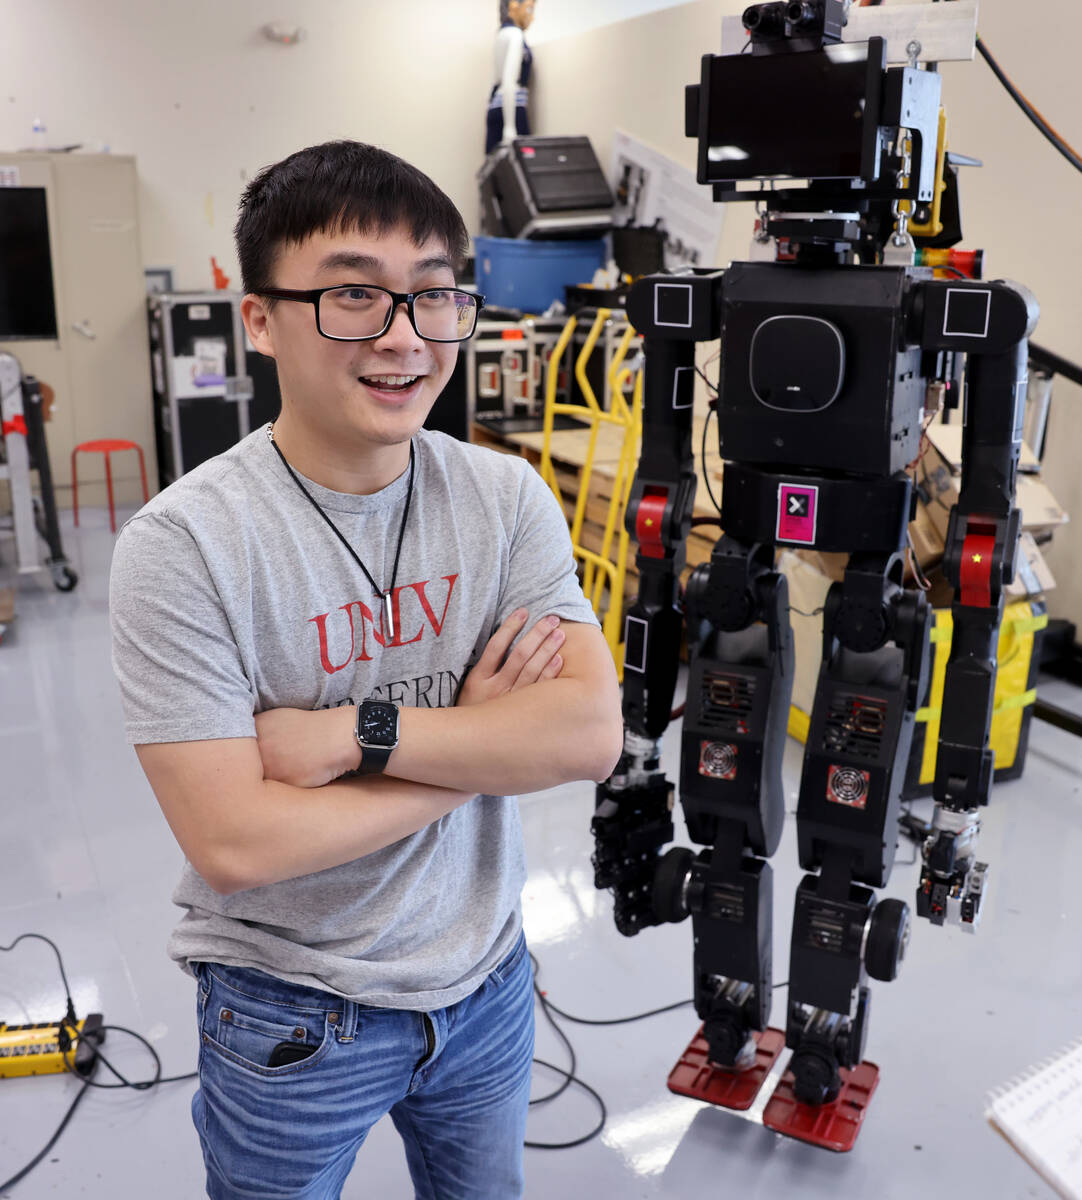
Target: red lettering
377,626
366,620
396,607
419,588
324,655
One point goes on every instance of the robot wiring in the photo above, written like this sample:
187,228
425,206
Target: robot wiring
1056,139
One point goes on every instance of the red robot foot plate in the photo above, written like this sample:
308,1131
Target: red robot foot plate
833,1126
696,1076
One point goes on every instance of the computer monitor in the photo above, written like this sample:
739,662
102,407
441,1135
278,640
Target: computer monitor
27,301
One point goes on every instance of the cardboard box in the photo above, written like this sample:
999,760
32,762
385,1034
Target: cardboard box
939,476
927,542
947,439
1032,576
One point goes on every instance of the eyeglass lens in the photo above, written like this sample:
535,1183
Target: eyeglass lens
441,315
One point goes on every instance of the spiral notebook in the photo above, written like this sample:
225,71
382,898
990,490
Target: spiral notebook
1040,1114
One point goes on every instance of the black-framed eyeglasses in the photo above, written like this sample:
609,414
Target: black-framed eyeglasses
358,312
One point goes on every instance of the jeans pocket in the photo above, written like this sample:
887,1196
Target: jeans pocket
245,1031
253,1038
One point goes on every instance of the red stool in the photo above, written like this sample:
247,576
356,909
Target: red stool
106,446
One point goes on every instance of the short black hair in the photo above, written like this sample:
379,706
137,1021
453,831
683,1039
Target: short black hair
334,187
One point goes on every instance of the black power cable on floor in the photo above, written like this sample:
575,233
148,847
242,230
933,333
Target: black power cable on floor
548,1009
52,1141
68,1033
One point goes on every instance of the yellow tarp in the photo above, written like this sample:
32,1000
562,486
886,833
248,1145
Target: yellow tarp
1015,652
1011,697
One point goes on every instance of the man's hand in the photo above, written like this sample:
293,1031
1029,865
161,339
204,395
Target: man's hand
497,672
307,749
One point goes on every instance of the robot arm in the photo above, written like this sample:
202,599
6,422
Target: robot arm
632,817
991,322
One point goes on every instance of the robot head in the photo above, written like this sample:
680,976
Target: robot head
807,123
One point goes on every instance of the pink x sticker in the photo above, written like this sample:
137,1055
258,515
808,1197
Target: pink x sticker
796,513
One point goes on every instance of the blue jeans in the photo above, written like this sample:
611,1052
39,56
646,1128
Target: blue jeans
456,1082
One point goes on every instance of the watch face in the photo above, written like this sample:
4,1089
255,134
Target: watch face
379,724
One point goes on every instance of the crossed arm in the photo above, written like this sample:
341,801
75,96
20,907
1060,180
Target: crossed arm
253,811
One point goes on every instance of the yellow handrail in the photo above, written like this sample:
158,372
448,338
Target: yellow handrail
595,412
625,469
548,474
599,569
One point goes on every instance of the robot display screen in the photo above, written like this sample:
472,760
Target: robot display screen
796,116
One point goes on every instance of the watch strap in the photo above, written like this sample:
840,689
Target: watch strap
373,759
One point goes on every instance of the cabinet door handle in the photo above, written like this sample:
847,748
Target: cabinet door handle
83,327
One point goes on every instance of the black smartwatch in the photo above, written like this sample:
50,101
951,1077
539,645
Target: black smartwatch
376,734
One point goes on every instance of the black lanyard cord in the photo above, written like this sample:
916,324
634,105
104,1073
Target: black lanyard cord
338,533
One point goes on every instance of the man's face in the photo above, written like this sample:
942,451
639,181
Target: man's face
369,393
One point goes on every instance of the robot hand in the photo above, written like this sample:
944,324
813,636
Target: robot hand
952,882
632,821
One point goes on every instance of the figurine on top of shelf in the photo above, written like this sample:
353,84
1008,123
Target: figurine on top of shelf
507,117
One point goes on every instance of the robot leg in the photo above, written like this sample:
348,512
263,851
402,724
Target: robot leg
874,670
739,687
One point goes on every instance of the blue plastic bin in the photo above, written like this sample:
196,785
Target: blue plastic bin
516,273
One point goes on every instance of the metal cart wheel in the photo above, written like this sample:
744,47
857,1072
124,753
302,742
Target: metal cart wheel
64,578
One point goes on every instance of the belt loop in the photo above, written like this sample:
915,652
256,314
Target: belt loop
346,1027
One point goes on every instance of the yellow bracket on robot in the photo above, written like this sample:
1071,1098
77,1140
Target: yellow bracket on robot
933,227
599,569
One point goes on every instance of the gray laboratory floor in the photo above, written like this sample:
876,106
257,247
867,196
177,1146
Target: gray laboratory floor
88,860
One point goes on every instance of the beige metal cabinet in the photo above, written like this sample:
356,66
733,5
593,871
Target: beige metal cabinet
99,364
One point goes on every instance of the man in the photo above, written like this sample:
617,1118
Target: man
357,937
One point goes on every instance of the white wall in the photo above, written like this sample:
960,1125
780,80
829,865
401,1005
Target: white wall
566,18
1023,206
203,100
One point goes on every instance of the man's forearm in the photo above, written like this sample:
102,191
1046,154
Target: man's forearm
554,732
290,831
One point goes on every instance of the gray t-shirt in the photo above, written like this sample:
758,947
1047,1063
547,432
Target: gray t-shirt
229,595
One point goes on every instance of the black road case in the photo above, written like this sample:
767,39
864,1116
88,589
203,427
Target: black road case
210,387
538,187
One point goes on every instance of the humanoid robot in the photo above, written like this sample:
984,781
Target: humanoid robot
832,343
507,117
